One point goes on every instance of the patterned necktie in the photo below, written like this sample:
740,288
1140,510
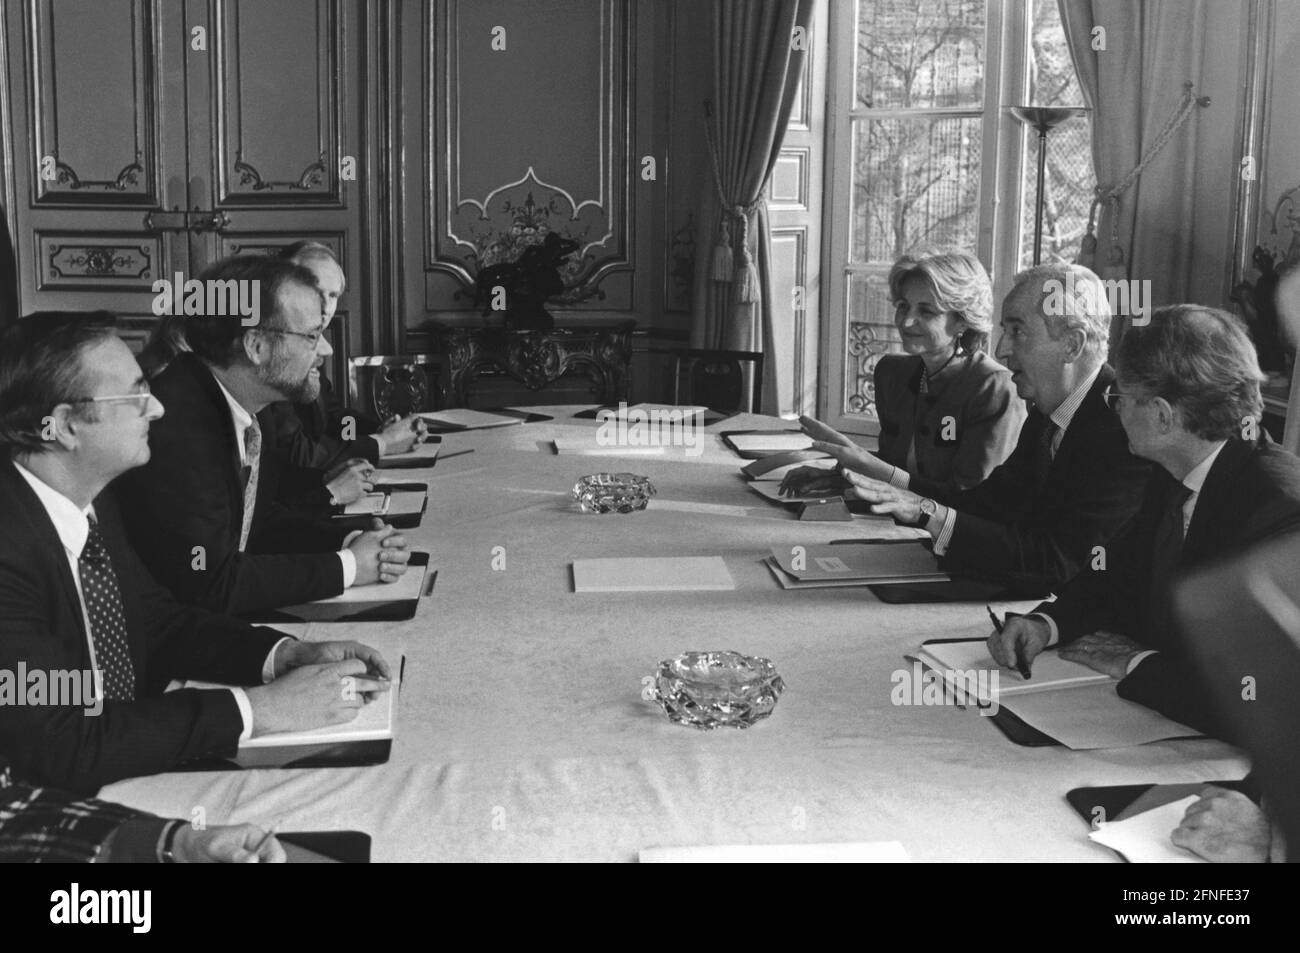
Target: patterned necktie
253,453
1166,553
103,598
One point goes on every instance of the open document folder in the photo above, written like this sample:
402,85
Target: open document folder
367,739
377,602
901,561
1065,701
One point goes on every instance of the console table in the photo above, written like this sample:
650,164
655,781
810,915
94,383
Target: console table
586,361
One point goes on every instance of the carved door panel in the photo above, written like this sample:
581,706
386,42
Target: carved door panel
274,120
92,103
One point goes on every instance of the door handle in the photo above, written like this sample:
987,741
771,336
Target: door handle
197,220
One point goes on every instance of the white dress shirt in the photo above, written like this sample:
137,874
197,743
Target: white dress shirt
243,420
73,527
1062,416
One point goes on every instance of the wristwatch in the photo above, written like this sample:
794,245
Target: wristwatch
928,508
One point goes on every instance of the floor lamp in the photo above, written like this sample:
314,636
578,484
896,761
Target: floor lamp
1043,118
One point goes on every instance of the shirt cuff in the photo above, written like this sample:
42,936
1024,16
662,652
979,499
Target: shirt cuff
944,538
1136,660
268,667
245,712
349,562
1054,634
134,842
900,478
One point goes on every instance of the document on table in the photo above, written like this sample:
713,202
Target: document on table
1144,838
770,442
648,574
406,587
880,852
422,454
381,504
1064,700
861,563
588,447
460,418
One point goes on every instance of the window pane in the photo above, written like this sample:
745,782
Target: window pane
915,54
1069,176
915,181
870,332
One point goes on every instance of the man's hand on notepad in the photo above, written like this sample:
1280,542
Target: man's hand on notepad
349,481
1105,652
1225,827
886,499
1021,640
381,554
229,844
402,434
808,481
315,695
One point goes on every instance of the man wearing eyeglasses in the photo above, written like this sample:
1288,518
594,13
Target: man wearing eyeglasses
1071,481
74,597
202,512
1189,400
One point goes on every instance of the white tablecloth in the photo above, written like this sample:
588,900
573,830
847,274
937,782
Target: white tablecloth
523,736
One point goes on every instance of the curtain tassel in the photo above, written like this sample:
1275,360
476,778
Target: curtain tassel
722,262
746,274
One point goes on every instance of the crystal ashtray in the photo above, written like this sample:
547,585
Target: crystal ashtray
715,689
613,492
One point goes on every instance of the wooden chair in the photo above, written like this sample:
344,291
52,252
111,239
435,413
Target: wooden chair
716,379
387,385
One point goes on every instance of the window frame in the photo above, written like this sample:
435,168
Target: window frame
1002,157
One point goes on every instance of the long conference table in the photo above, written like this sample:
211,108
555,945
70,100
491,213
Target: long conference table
522,734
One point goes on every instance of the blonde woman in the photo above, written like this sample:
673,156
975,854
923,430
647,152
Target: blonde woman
948,412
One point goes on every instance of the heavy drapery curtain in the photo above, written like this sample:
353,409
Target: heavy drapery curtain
1173,226
756,69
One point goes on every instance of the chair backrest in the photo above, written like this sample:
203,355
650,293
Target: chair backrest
388,385
730,381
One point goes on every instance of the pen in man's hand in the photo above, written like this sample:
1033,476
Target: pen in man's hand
266,837
1021,665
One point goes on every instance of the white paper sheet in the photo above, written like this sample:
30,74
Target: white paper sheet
1048,672
1093,716
587,447
771,442
469,419
1144,839
419,452
646,574
881,852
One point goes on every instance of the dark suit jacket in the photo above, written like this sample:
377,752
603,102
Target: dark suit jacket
190,494
975,391
1250,494
1033,532
41,625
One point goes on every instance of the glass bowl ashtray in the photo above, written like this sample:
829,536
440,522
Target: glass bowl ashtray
715,689
613,493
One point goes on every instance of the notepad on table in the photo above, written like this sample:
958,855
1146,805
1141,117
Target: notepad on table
423,454
760,444
588,447
1144,838
649,574
461,418
1063,700
377,602
856,565
367,739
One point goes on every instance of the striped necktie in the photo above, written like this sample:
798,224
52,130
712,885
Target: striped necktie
253,453
103,598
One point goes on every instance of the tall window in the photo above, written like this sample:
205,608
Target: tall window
922,145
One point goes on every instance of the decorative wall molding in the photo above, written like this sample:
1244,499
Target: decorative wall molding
474,221
55,179
119,262
241,162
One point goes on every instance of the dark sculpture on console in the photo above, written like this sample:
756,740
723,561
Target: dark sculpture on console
525,284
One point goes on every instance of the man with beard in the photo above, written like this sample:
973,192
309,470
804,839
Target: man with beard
202,512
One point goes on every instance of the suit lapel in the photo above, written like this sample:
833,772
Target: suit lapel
1215,501
47,542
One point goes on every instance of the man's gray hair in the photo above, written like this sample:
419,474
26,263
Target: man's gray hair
1202,361
1069,296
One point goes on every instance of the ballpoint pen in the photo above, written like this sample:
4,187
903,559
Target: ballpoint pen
1022,666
